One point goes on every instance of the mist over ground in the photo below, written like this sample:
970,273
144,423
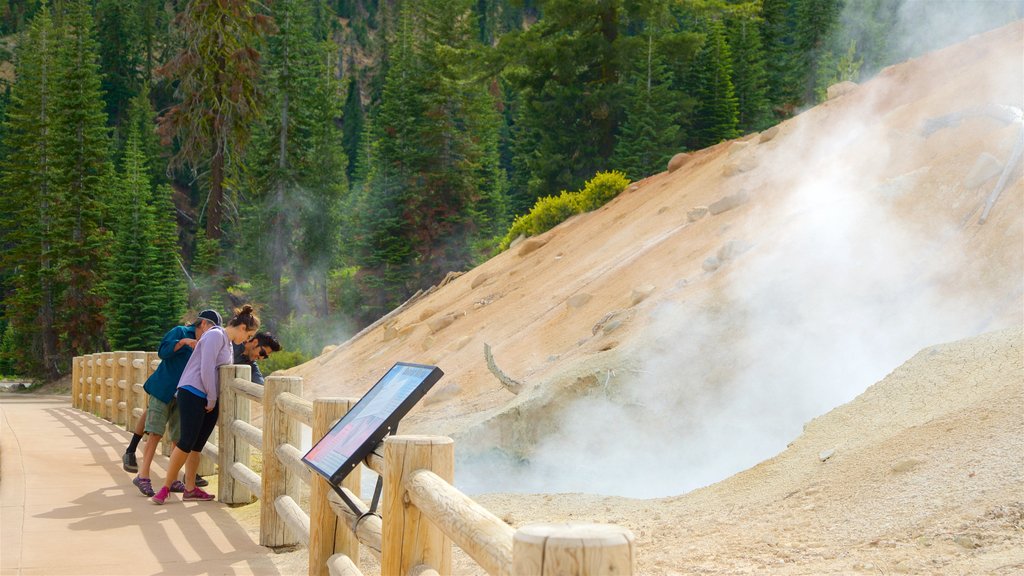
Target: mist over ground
831,288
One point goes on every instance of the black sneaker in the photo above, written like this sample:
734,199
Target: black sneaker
200,481
128,462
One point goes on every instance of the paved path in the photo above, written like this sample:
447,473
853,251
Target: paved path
67,507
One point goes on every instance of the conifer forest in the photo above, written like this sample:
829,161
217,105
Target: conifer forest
326,159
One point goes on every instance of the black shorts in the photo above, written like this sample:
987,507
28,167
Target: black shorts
196,423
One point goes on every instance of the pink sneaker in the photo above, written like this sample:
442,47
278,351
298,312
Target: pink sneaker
160,496
198,495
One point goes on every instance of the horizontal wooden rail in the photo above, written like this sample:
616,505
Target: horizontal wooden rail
246,388
297,407
294,516
481,534
367,528
291,457
248,432
246,476
342,565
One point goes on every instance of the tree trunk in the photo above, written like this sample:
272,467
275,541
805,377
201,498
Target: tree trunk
215,208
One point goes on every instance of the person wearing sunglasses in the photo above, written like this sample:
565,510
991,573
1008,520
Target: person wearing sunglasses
257,348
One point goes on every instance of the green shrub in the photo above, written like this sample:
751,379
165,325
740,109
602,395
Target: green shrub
282,361
601,189
550,211
547,212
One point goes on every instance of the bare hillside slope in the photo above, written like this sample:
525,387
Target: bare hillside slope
671,346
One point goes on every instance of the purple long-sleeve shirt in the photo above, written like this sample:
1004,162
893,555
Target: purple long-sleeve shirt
212,350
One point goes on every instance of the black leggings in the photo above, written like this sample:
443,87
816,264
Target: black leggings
196,423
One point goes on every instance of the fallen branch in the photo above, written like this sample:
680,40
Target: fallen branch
510,384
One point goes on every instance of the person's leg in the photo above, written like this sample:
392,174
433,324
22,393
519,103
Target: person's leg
128,461
193,492
191,465
190,414
178,458
156,421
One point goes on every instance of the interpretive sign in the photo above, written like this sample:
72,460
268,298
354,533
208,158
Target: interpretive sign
375,416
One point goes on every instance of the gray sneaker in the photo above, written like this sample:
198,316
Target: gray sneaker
128,462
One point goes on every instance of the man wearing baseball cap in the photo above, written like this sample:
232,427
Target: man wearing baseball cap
161,413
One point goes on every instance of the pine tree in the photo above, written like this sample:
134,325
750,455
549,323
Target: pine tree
434,183
31,197
651,132
120,62
749,70
135,303
778,29
717,112
82,149
217,73
165,264
566,71
299,165
816,22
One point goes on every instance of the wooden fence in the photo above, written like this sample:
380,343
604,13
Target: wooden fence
421,515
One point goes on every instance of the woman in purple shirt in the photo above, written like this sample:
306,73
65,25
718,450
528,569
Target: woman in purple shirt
197,394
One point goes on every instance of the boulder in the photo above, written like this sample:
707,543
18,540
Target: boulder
729,202
840,89
678,161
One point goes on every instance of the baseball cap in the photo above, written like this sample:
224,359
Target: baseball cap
211,315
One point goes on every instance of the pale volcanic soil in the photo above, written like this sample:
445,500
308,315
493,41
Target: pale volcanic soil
810,343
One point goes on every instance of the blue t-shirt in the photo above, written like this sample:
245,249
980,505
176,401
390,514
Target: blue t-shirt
164,381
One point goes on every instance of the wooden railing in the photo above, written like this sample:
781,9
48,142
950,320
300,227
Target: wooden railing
421,514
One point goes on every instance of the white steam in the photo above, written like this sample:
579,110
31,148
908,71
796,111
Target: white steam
839,293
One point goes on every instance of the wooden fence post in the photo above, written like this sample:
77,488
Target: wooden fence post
572,550
136,375
326,537
278,429
229,448
119,392
76,375
408,538
107,407
90,380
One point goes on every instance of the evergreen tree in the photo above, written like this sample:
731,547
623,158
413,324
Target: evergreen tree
778,24
82,151
566,71
216,73
120,61
717,111
142,120
749,70
135,302
816,22
434,182
31,196
299,168
651,131
166,267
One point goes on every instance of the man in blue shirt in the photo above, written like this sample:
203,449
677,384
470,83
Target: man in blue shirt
174,351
